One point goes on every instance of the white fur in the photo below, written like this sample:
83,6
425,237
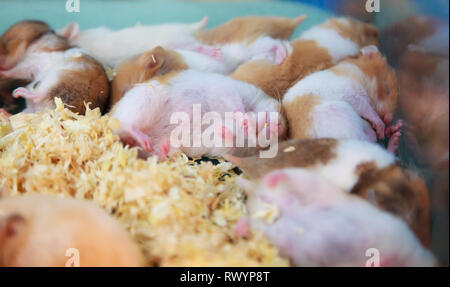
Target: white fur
327,85
343,103
337,46
44,70
205,63
111,47
340,171
337,119
262,48
319,225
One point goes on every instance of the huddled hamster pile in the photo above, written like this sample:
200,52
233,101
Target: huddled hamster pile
333,191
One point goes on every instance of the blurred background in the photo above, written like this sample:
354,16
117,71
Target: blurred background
414,37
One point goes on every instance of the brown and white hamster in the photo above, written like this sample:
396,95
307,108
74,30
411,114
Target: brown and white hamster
356,91
316,49
358,167
314,223
55,69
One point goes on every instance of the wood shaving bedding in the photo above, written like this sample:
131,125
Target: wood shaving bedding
181,213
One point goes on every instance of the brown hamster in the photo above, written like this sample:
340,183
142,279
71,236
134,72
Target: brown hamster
250,28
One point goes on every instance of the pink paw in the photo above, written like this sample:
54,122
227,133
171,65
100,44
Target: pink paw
394,142
395,134
274,178
25,93
225,133
142,139
379,128
394,128
216,53
244,121
164,149
267,126
241,228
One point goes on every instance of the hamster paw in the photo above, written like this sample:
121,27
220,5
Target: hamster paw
379,128
164,149
394,132
216,53
394,142
274,178
224,133
26,94
267,126
242,227
394,129
142,139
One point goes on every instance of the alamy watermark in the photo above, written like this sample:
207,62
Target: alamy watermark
374,260
73,6
74,260
234,129
373,6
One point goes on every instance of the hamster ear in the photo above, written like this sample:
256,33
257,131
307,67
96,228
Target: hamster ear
155,58
370,51
200,25
70,31
10,225
298,20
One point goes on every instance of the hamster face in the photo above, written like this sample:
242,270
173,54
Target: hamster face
16,40
387,89
142,69
385,98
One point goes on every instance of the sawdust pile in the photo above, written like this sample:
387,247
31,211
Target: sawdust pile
181,213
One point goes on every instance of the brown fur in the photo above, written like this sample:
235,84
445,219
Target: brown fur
298,113
398,36
359,32
306,58
89,85
16,40
37,230
305,153
424,102
385,99
250,28
400,192
142,68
